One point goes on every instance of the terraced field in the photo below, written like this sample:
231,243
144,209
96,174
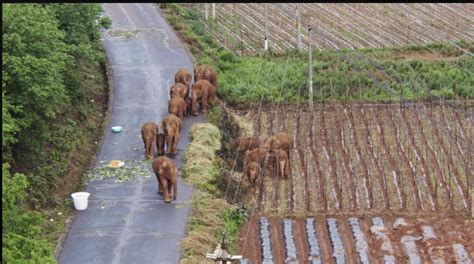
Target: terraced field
338,26
356,169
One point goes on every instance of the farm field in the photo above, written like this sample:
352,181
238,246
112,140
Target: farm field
357,239
357,166
370,157
338,26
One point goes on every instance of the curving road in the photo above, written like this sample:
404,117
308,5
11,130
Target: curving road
128,222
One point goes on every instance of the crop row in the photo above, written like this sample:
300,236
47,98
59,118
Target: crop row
369,157
337,26
344,239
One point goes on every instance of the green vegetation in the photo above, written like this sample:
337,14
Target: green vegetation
414,72
129,171
211,215
54,92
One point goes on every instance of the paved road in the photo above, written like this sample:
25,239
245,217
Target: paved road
128,222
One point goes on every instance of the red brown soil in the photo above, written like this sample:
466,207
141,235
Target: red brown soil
301,241
278,244
348,240
250,239
324,241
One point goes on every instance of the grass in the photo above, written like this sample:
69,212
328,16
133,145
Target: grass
212,214
338,75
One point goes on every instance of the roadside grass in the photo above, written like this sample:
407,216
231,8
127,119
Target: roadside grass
211,213
84,141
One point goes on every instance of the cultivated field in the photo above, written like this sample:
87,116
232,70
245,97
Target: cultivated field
370,157
338,26
356,169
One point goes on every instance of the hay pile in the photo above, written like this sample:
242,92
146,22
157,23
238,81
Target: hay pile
201,167
200,163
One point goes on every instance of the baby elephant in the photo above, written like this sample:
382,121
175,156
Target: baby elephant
166,175
189,104
252,170
160,143
149,131
280,162
177,107
246,143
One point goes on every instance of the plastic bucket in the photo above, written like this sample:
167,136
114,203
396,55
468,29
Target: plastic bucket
80,200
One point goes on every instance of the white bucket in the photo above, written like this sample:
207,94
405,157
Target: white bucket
80,200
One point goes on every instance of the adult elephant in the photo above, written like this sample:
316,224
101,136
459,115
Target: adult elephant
280,163
203,90
279,140
207,72
149,130
171,126
184,76
177,107
178,89
166,174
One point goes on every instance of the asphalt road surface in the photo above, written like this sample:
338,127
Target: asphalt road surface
129,222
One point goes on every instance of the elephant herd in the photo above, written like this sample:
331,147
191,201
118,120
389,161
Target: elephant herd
203,93
278,146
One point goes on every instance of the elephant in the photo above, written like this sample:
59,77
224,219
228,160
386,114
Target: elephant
253,170
280,163
207,72
189,103
177,107
246,143
171,126
178,89
256,155
184,76
166,175
160,143
279,140
201,90
149,131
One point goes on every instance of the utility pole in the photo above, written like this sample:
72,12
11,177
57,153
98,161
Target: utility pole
213,10
266,28
206,11
310,70
298,27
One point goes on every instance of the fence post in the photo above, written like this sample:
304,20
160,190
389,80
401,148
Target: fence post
206,11
213,10
310,70
298,27
266,27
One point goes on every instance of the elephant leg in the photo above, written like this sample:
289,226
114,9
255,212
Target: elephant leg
204,103
174,182
195,104
170,189
169,143
176,141
166,196
160,184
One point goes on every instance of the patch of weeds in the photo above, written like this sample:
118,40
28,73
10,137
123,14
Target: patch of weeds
234,218
123,34
129,171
